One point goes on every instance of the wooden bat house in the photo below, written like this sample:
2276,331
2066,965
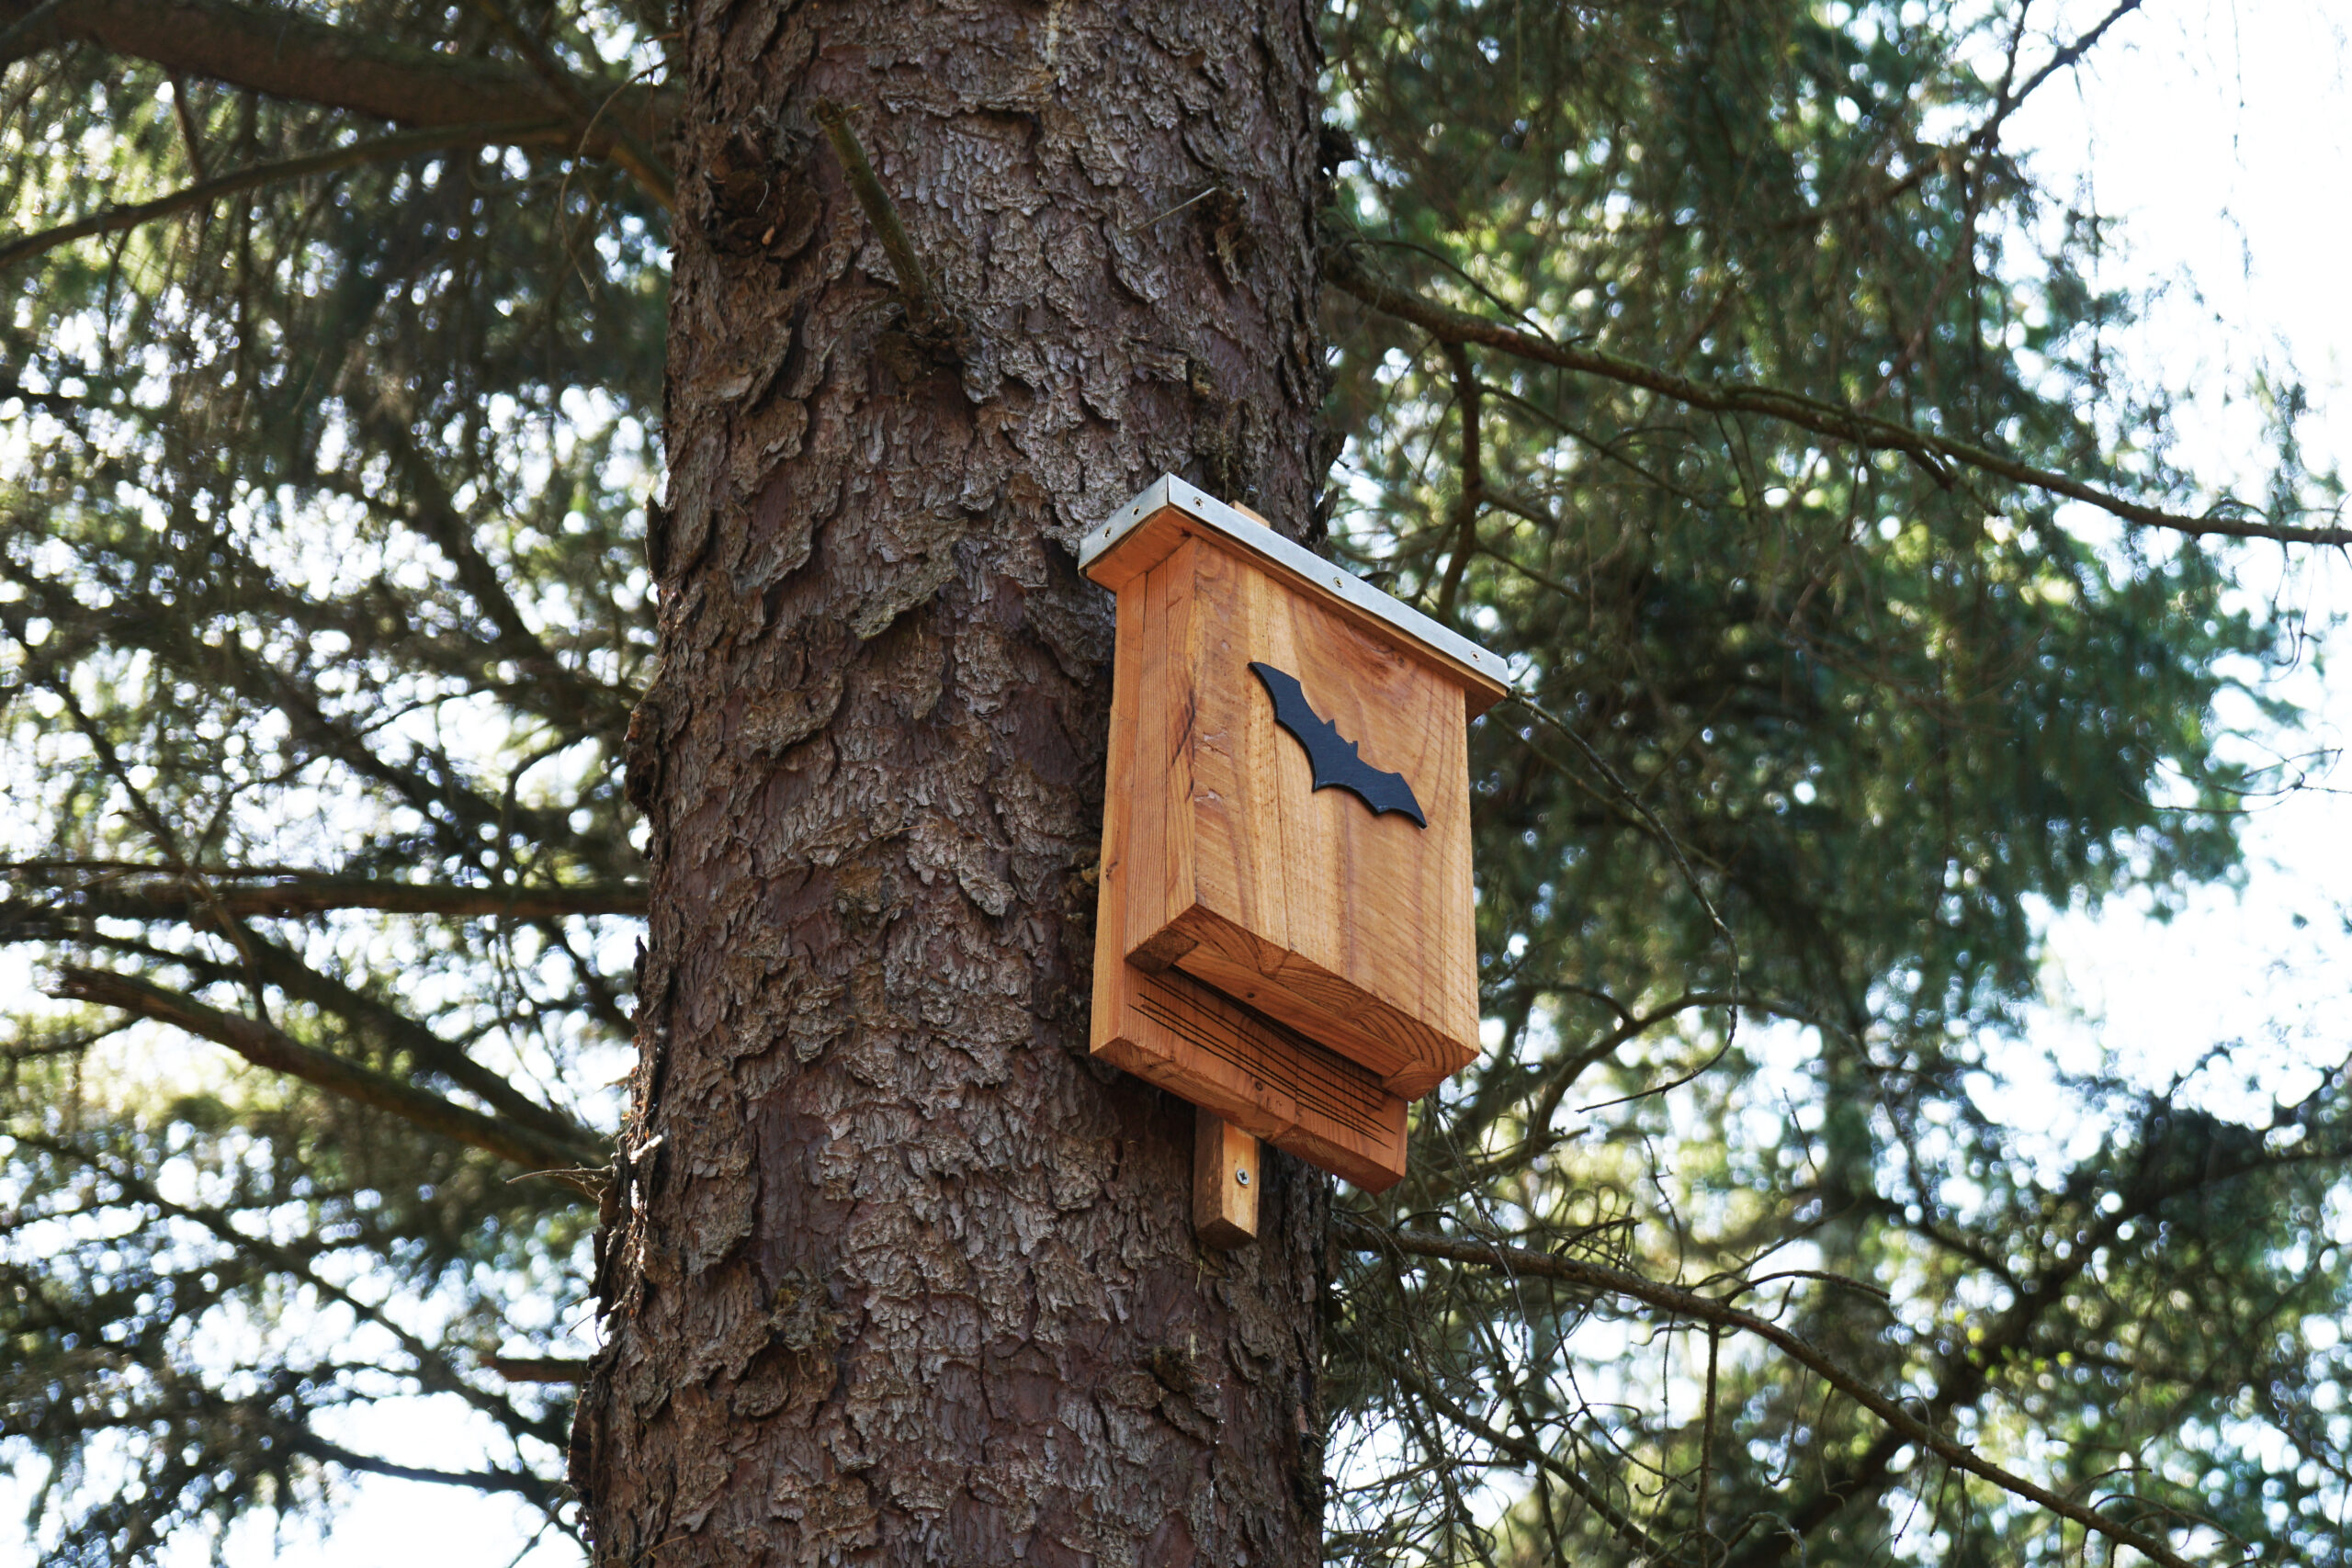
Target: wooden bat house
1284,937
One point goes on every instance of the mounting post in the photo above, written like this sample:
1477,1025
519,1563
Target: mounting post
1225,1182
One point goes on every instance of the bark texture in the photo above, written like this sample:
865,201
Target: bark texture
893,1272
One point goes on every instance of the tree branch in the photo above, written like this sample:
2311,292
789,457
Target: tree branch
537,1369
926,312
266,1046
284,55
402,144
29,29
631,152
1707,1309
431,1370
538,1490
1473,499
583,701
290,895
67,920
1839,423
1529,1452
426,1049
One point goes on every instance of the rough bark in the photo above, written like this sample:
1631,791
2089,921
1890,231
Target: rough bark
893,1273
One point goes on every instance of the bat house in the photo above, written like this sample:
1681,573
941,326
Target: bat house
1285,934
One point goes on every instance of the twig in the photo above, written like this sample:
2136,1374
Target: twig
1473,499
184,112
1138,228
537,1369
929,317
644,164
1932,453
1707,1309
1599,764
1527,1451
402,144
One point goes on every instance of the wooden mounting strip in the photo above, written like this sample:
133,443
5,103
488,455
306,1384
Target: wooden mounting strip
1225,1181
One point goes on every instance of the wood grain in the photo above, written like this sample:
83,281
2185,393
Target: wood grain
1225,1182
1268,1080
1172,1031
1353,928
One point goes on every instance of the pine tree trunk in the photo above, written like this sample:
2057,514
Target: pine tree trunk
893,1272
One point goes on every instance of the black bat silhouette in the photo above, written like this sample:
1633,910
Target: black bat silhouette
1335,761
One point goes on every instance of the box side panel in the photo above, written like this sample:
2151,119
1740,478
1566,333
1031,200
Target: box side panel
1114,875
1455,996
1161,883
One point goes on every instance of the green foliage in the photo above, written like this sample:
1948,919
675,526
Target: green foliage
321,557
322,612
1823,731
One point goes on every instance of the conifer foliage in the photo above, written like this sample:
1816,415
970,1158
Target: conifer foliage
1717,363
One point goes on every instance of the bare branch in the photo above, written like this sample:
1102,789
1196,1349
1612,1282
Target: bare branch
272,1048
383,149
426,1049
430,1369
285,54
1836,423
537,1369
1529,1452
1473,499
286,895
928,315
580,699
2060,60
630,151
1707,1309
537,1489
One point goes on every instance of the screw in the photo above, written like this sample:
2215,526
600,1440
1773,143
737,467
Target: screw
1241,1175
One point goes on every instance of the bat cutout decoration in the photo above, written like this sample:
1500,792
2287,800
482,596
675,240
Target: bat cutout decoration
1335,761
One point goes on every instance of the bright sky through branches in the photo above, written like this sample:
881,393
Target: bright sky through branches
2219,134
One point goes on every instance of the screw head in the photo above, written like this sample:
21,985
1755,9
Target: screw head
1241,1175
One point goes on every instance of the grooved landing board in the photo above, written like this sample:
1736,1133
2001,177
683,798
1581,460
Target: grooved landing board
1267,1081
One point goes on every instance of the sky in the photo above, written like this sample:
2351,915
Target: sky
2221,135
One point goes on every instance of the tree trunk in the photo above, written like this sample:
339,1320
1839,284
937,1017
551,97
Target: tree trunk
893,1272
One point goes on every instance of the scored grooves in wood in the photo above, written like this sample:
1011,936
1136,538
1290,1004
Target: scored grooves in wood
1321,1081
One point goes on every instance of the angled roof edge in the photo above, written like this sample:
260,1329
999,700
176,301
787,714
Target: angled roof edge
1296,560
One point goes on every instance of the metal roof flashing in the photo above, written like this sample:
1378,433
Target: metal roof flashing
1296,560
